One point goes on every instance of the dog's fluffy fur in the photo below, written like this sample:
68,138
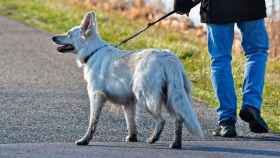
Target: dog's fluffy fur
147,79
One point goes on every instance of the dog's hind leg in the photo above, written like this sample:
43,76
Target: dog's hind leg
129,113
160,122
154,108
177,142
97,100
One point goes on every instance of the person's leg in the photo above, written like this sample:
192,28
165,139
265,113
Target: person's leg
220,39
255,44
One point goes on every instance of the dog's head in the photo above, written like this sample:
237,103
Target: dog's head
78,37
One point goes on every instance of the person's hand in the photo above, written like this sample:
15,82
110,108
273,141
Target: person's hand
184,6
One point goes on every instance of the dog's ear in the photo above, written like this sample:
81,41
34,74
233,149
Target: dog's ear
88,24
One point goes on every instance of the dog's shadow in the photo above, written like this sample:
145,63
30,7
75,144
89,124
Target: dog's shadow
198,146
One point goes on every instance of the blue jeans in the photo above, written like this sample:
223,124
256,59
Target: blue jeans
255,45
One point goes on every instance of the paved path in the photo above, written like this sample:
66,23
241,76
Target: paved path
201,149
43,100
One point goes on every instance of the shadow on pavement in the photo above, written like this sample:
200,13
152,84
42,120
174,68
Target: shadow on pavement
255,152
200,148
262,138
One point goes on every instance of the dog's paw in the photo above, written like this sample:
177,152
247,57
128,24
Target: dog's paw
131,138
175,145
82,142
152,140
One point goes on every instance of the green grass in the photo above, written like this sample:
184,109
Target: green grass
57,16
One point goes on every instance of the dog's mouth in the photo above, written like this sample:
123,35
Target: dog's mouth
65,48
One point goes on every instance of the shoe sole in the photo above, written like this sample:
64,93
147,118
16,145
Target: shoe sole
232,135
253,124
226,135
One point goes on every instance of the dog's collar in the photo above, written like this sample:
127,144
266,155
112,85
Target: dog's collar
93,52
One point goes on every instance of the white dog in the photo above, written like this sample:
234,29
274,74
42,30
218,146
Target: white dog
147,79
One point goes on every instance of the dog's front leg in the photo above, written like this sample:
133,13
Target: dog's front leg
129,113
97,100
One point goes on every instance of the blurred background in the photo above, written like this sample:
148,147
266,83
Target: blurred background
151,8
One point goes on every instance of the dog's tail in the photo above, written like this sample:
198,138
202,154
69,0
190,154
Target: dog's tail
180,99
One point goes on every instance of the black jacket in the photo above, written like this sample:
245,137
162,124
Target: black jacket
225,11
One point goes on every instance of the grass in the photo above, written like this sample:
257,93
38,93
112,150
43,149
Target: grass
56,16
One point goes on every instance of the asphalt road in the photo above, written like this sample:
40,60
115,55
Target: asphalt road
191,149
43,100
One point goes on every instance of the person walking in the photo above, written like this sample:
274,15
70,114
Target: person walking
221,17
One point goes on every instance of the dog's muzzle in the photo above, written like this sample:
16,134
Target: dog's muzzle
63,48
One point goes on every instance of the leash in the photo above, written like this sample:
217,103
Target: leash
145,28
